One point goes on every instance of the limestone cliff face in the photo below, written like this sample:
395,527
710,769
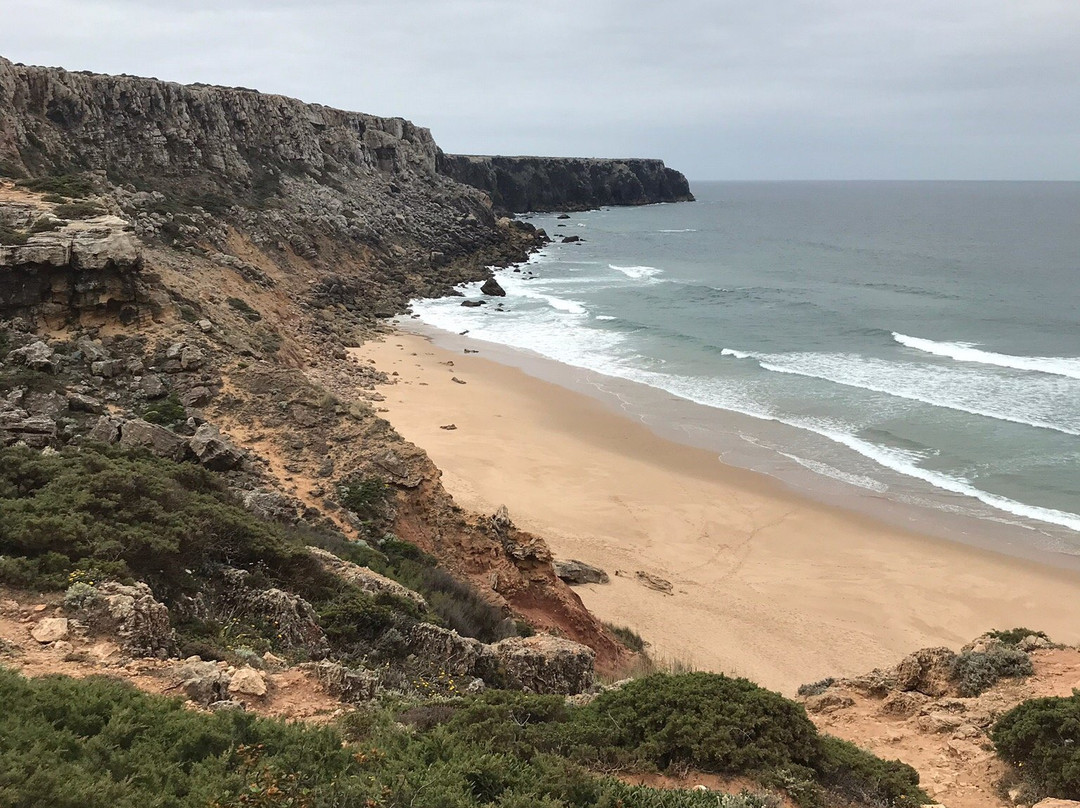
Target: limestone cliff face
520,184
301,166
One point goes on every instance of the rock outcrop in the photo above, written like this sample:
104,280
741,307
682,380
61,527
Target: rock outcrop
578,572
90,265
133,615
520,184
546,664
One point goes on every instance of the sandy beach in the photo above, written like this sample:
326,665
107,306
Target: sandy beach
767,583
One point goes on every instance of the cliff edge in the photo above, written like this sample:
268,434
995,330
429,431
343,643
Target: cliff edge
521,184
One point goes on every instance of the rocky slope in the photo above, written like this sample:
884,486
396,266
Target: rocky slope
220,248
520,184
921,713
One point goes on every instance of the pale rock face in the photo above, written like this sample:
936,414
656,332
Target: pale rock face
213,451
546,664
82,265
138,433
50,629
248,682
139,621
36,355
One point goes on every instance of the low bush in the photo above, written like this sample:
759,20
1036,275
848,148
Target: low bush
364,496
12,238
67,185
166,412
240,305
129,515
457,604
78,210
865,778
1041,737
627,636
702,721
96,743
45,225
698,721
1014,635
975,671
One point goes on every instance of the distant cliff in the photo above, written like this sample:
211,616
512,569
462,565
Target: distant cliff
520,184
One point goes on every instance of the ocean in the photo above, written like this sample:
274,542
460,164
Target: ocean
915,344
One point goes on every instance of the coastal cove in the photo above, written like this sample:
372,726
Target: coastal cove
768,583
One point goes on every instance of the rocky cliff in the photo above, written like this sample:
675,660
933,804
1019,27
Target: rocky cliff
520,184
293,167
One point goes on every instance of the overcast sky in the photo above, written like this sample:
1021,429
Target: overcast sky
720,89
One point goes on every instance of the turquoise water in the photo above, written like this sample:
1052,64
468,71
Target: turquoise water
917,341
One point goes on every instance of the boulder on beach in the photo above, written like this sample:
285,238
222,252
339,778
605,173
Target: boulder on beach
578,572
491,287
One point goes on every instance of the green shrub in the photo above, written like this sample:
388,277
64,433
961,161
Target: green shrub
96,743
627,636
78,210
701,721
12,238
364,496
69,185
1014,635
1042,738
166,412
457,603
359,625
45,225
246,310
129,515
704,721
865,778
975,671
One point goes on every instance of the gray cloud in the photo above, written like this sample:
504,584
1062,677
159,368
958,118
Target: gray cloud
721,89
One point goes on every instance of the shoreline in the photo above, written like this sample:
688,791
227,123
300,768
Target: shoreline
768,582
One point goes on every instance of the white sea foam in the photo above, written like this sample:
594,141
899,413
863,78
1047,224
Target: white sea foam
967,352
859,480
636,272
901,463
605,317
515,287
549,332
683,230
1047,402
